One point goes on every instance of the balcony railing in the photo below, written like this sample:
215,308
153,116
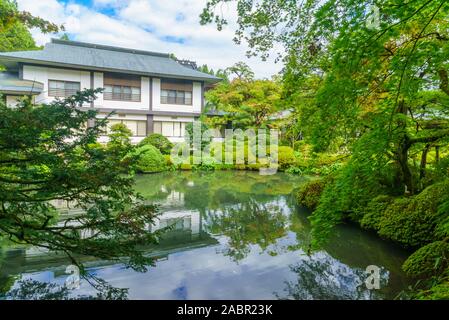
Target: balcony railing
121,96
62,92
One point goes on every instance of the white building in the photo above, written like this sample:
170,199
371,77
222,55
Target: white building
149,92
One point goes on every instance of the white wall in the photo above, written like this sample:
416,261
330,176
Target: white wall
12,101
135,139
98,83
43,74
158,106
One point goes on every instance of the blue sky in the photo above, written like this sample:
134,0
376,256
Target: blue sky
170,26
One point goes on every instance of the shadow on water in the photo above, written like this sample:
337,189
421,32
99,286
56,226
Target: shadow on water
234,235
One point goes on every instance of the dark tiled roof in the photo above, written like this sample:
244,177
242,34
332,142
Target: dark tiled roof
99,57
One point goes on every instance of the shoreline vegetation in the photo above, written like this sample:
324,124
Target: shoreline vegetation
415,222
363,107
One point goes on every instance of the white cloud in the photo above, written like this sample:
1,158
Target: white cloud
147,25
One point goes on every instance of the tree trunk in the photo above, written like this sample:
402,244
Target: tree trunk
407,175
422,167
402,151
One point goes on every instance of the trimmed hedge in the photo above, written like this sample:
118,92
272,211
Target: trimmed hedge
429,260
159,141
150,159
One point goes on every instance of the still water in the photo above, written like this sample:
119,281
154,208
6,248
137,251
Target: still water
236,235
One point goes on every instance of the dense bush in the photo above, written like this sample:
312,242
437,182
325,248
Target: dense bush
185,166
372,214
412,221
149,159
286,157
436,292
309,193
159,141
429,260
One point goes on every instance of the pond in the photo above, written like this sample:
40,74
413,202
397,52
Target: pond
235,235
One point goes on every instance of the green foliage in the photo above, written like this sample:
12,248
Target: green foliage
412,221
246,103
429,260
365,176
371,216
436,292
286,157
46,154
185,166
379,93
159,141
220,73
309,193
15,25
294,170
16,38
150,159
242,71
120,137
200,131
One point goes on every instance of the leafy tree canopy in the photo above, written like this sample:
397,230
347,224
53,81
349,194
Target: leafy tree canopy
246,102
15,25
48,155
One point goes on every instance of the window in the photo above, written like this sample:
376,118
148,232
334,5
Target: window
137,127
121,93
157,127
176,97
64,89
170,129
121,87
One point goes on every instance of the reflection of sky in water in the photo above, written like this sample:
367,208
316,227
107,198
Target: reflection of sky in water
193,268
204,274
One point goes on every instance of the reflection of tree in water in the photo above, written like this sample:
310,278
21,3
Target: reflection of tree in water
246,224
30,289
321,277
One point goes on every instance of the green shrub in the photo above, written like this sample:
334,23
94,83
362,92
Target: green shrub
412,221
309,194
159,141
185,166
119,138
436,292
168,161
286,157
294,170
371,215
150,159
429,260
401,222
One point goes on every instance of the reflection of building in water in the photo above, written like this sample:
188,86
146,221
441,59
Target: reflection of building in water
179,222
185,233
174,199
66,208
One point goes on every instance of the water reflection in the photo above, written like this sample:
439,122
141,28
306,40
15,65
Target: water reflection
231,236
